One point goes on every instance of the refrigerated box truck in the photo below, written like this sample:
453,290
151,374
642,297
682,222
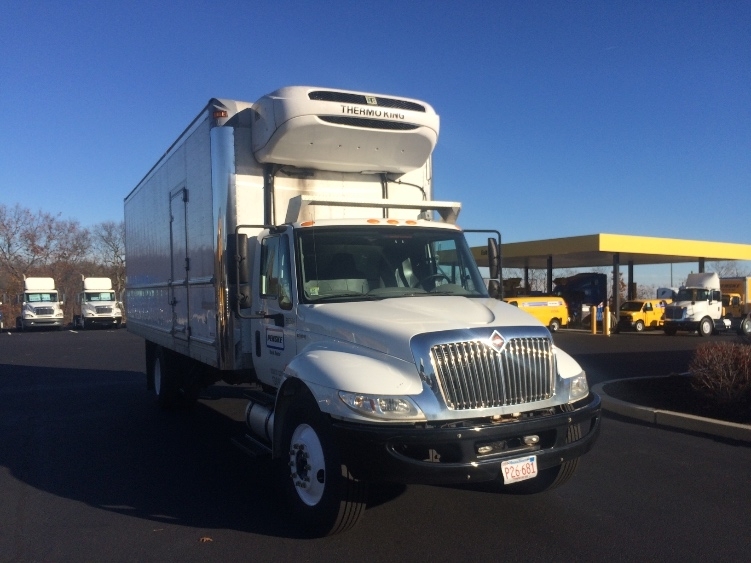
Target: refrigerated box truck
293,245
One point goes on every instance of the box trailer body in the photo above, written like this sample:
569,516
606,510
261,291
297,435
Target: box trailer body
97,304
293,244
736,295
697,307
41,305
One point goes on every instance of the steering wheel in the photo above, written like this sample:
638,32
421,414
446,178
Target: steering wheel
437,275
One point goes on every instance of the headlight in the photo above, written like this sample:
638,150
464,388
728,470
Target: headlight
389,407
578,387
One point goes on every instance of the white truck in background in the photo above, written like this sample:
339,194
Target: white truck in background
41,304
292,245
97,304
697,307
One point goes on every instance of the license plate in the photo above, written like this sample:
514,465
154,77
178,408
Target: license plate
521,469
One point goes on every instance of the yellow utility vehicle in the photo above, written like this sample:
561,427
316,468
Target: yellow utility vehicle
550,310
639,314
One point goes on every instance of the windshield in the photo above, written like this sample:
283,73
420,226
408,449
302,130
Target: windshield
41,297
348,263
631,306
99,296
693,294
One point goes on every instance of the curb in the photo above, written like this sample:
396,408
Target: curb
711,426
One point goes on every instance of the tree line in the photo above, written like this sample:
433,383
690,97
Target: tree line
45,245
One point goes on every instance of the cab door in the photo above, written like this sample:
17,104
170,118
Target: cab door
274,334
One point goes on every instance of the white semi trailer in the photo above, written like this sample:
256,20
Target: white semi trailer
41,305
97,304
293,245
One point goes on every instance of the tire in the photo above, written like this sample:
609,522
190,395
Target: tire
745,327
554,325
322,495
166,385
639,326
706,326
83,323
552,477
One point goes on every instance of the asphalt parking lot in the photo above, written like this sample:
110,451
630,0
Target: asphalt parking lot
90,469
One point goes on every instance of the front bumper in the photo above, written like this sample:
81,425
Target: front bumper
103,320
431,455
41,321
681,325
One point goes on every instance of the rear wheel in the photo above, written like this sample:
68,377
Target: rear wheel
706,326
166,385
554,325
745,327
323,496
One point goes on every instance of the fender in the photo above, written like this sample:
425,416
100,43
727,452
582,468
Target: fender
567,366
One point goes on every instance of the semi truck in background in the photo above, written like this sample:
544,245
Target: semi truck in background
41,304
582,291
292,245
97,304
697,307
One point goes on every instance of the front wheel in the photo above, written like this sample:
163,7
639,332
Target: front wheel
552,477
706,326
323,496
745,328
639,326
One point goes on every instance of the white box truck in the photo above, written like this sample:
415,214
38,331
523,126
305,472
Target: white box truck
291,244
97,304
41,304
697,307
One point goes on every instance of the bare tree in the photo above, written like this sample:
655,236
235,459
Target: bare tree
109,250
728,269
40,244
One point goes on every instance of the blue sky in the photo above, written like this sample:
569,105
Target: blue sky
557,118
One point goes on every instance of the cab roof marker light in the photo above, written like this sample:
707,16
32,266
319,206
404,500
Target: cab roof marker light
373,221
307,223
220,113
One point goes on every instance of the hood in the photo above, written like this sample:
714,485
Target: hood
388,326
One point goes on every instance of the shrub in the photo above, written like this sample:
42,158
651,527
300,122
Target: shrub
721,371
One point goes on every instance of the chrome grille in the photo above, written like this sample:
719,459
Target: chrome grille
44,311
473,375
104,310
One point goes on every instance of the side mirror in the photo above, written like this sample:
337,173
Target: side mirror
494,289
494,262
238,271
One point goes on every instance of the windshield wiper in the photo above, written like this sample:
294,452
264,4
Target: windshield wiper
344,296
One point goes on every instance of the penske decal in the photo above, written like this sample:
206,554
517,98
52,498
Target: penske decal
275,338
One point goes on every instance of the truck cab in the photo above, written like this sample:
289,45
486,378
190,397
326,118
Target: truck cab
697,307
97,304
41,305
